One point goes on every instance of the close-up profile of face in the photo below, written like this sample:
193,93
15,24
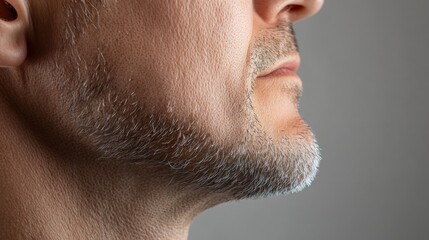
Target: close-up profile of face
205,90
189,119
166,96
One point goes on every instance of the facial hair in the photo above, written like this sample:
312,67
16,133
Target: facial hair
118,128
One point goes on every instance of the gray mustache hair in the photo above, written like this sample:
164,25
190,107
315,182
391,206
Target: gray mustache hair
271,45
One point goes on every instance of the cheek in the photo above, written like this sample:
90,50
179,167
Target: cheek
217,80
192,57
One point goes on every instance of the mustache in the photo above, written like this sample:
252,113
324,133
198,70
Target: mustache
271,45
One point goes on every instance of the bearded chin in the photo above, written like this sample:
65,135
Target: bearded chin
118,129
252,167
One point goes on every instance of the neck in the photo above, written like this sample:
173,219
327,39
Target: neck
49,195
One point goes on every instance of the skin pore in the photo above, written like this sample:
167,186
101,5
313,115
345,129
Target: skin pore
126,119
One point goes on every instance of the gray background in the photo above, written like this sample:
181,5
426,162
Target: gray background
365,73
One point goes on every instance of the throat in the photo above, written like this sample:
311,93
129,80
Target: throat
92,201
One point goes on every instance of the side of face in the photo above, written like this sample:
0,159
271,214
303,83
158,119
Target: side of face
173,85
188,58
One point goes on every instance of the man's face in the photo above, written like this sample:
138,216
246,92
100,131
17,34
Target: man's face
177,86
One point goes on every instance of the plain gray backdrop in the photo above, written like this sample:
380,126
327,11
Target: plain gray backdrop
365,72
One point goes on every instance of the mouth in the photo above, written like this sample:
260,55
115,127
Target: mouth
277,91
285,67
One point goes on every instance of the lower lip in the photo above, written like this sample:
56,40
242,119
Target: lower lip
281,72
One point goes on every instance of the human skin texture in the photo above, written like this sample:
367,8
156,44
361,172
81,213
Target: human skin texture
126,119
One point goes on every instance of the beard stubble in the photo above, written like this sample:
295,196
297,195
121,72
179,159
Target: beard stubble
119,129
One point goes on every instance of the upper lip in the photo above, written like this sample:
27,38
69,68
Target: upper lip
292,63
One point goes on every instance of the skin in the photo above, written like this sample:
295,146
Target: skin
126,119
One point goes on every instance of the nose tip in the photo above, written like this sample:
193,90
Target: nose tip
294,10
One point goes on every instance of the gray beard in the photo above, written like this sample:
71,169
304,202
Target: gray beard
118,128
253,167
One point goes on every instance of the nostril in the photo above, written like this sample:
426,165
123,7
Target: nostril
293,8
308,8
299,12
294,12
7,11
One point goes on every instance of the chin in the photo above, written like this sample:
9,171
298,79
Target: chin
254,167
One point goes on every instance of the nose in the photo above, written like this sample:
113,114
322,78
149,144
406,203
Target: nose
271,11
